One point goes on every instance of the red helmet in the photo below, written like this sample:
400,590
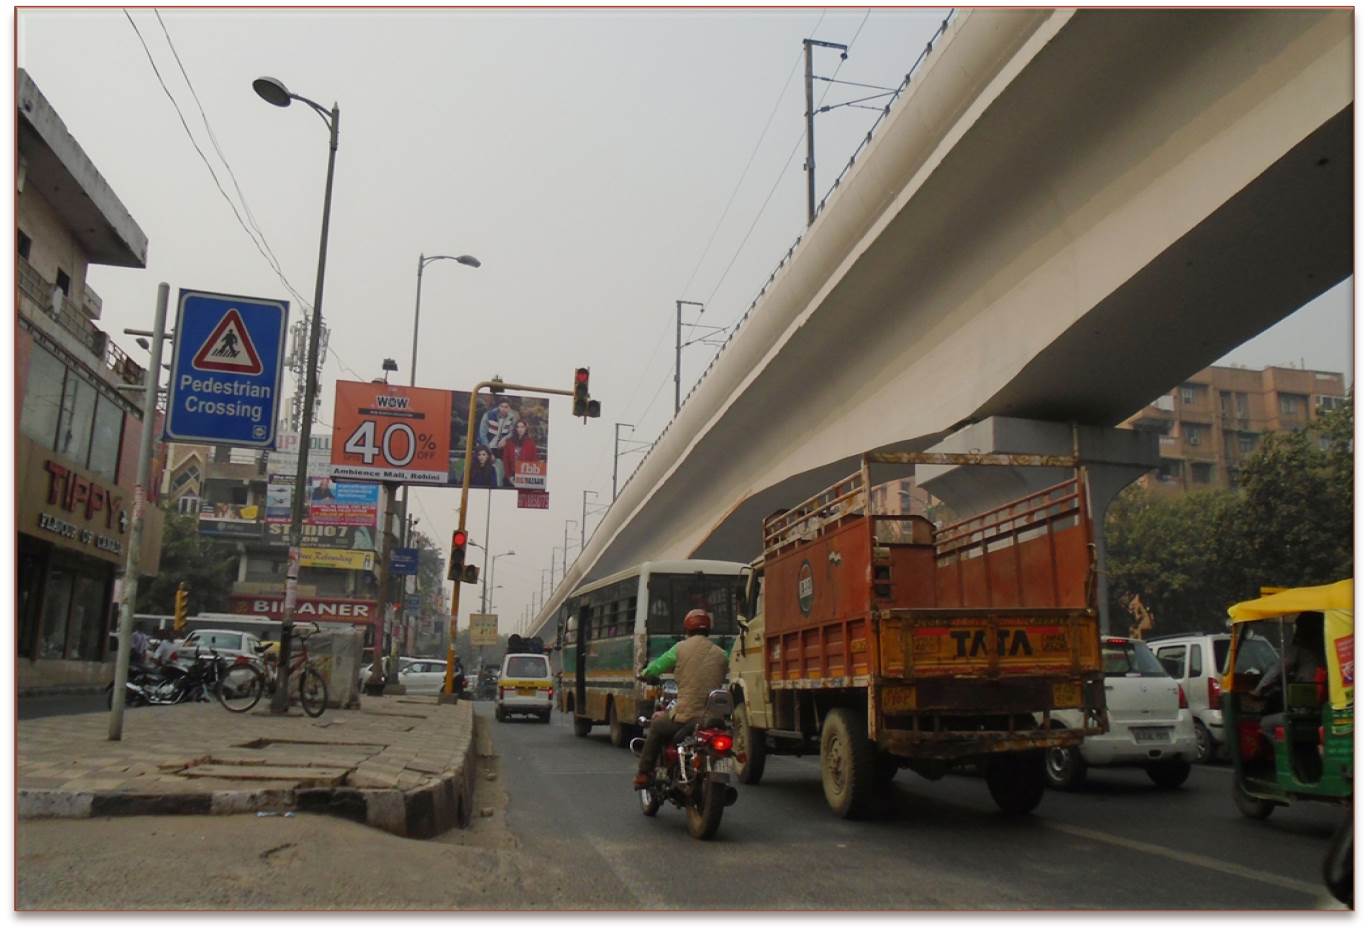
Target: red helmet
697,622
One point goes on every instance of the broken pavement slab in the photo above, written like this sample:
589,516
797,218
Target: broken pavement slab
408,769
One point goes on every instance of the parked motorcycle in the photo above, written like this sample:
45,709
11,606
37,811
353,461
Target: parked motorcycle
695,769
196,681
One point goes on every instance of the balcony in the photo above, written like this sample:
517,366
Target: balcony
75,321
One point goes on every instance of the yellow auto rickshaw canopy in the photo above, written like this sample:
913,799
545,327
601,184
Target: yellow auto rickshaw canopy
1333,597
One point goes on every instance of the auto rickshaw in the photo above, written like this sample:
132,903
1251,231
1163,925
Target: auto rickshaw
1294,739
1291,723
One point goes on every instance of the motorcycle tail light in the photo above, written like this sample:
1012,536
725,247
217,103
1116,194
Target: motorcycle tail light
721,743
1182,698
1213,692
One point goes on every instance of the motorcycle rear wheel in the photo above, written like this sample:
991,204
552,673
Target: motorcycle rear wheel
705,815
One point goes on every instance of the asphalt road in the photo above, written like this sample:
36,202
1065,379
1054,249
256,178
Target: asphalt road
1118,843
558,827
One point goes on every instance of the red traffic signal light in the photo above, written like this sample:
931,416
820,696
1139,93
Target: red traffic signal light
584,407
456,565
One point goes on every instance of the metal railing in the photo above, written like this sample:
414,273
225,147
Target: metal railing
74,321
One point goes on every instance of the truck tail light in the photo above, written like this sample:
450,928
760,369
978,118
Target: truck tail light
550,692
1213,692
501,692
1182,698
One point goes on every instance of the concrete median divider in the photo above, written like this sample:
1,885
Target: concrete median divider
403,765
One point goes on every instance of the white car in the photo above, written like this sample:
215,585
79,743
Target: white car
423,677
1149,723
226,643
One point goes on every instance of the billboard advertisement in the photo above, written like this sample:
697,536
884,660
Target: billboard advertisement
417,436
327,502
224,519
391,433
336,559
335,536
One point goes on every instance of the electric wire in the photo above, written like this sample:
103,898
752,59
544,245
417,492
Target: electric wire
214,175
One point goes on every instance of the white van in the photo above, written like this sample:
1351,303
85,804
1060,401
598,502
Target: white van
525,687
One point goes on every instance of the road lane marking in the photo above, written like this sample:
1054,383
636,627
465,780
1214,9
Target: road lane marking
1197,860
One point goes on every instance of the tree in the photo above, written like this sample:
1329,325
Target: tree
1298,504
1290,523
206,567
1179,554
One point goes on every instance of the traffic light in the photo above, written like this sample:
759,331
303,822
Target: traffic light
470,574
581,393
182,606
584,407
456,565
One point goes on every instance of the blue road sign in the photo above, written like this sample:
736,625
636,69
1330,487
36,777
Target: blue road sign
411,603
404,561
225,371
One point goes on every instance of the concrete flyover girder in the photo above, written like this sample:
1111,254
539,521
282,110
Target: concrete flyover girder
1066,213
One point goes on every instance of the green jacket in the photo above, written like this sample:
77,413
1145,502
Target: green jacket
665,663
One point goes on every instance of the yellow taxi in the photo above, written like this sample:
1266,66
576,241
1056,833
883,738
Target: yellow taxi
525,687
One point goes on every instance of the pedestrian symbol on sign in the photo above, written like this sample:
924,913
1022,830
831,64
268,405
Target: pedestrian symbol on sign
229,348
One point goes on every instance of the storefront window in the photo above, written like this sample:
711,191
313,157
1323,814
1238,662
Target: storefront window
87,619
104,444
78,414
42,397
56,608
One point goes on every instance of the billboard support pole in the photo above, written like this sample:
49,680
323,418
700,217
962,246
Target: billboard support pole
499,386
388,681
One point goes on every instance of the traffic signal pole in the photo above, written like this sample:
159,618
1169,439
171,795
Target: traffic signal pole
498,386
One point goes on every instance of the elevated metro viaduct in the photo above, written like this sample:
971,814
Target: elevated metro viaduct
1065,214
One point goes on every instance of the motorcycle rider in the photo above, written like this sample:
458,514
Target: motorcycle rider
700,666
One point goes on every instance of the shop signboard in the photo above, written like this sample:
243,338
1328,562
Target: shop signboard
327,502
336,559
313,608
327,535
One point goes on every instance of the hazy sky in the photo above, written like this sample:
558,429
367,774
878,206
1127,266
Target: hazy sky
587,158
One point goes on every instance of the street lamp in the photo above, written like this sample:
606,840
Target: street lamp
493,565
275,93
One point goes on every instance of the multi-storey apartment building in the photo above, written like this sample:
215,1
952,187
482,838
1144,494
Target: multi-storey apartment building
1210,423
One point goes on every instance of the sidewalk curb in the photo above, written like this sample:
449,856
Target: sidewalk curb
440,805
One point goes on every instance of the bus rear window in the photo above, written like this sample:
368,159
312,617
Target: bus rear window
674,595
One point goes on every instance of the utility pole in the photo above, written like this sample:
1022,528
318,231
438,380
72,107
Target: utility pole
679,341
584,513
129,594
811,164
617,439
565,548
484,566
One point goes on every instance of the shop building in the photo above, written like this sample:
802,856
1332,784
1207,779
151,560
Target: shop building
77,425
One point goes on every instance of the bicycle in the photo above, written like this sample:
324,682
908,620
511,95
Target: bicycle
243,685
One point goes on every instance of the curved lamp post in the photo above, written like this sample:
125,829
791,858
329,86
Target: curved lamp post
274,92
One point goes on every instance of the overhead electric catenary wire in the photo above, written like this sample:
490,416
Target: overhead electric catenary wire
708,246
191,136
271,257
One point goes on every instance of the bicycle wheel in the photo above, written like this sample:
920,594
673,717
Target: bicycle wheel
313,692
241,688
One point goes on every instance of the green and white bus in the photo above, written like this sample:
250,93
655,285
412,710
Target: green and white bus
609,629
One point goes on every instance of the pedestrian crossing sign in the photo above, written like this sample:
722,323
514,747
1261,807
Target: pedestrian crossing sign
229,348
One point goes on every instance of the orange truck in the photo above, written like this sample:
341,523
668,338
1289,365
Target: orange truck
886,642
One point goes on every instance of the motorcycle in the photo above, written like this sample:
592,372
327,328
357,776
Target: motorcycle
175,683
695,768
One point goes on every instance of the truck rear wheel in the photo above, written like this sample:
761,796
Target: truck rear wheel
749,742
847,763
1017,781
